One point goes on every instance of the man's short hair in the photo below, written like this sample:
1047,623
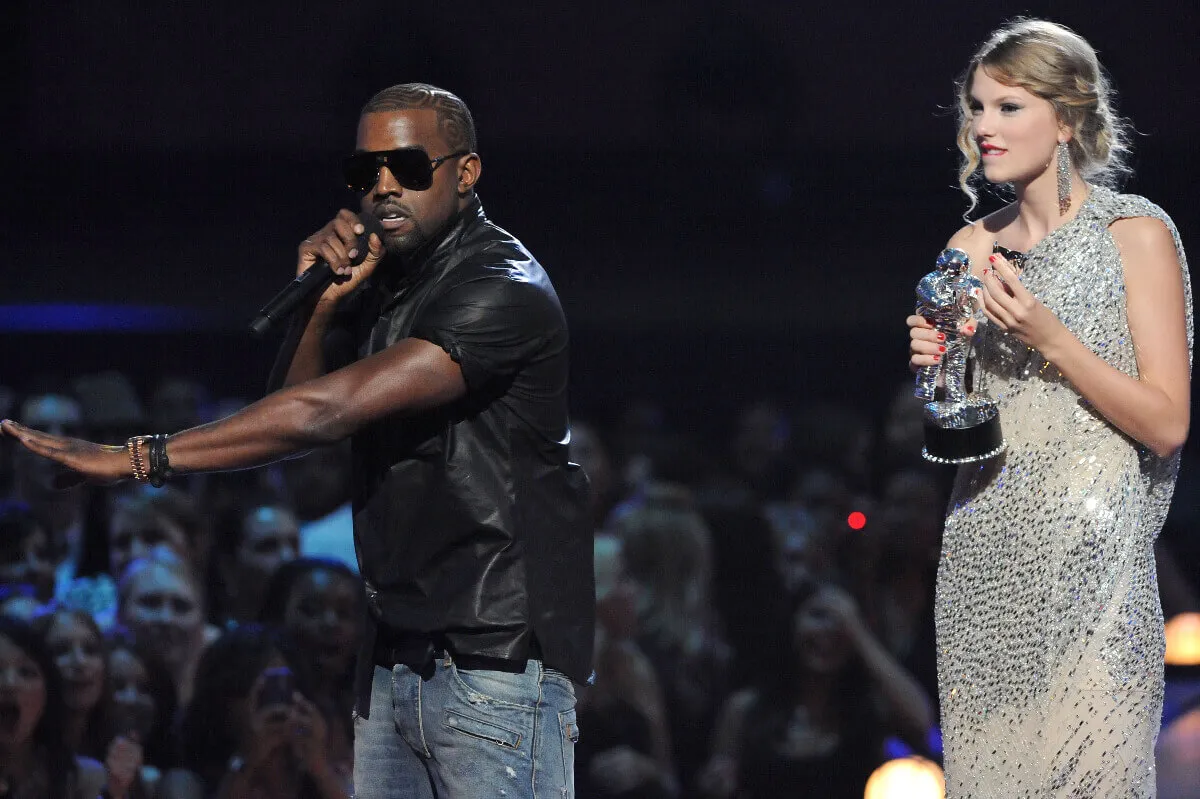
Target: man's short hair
455,122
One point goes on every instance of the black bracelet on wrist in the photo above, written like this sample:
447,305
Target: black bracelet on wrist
160,465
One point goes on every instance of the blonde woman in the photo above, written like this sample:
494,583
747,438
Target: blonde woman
1050,634
666,546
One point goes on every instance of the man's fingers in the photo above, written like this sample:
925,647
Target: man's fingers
334,253
353,223
346,229
33,440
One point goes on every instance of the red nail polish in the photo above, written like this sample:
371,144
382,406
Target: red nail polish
941,336
937,358
970,328
941,349
992,258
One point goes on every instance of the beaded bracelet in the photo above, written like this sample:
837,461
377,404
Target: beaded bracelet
136,460
160,465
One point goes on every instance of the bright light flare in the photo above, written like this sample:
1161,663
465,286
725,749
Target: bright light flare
1183,640
907,778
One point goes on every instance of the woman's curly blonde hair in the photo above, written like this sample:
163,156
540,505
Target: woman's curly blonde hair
1052,62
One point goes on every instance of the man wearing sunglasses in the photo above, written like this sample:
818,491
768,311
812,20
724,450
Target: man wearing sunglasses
470,524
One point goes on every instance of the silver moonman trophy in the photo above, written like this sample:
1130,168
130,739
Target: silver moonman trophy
962,427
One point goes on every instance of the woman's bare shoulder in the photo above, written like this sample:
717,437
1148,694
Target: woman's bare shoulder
976,238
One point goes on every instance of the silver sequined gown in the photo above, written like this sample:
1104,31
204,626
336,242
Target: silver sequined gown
1049,628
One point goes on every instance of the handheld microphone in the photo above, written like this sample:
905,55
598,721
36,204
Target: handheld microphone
311,282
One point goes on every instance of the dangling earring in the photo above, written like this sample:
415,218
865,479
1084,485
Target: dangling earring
1064,178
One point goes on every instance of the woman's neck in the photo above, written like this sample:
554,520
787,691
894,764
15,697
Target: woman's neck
817,695
17,762
278,775
73,729
1038,212
184,674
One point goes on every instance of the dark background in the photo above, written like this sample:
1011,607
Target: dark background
734,199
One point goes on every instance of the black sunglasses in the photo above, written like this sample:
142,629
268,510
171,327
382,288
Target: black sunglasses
411,166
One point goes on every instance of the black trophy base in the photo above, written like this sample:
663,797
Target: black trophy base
963,445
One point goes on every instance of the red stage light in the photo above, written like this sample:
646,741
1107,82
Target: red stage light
857,520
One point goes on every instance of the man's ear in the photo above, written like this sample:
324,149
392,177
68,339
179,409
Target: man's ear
469,169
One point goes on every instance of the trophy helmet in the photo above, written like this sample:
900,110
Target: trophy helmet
935,290
953,260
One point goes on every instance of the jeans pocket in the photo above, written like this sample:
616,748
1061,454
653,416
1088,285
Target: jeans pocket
568,736
497,687
481,728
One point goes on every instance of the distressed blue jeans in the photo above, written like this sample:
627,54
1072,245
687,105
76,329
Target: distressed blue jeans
464,733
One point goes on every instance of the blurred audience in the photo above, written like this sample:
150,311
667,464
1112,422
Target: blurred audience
667,553
317,487
146,518
627,749
61,511
589,451
26,558
253,539
35,760
162,604
253,729
177,403
142,706
764,603
821,720
77,646
319,604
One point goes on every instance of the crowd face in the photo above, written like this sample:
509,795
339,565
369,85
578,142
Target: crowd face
133,704
616,592
22,695
270,538
910,515
79,655
820,638
826,498
322,614
28,562
135,534
760,439
165,610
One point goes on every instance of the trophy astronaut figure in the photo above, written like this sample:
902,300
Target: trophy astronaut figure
962,427
948,298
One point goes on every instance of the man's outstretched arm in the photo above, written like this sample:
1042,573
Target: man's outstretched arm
409,376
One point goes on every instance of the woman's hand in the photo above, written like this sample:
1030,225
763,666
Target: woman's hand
270,730
1013,309
926,344
309,735
86,461
123,764
719,777
839,603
